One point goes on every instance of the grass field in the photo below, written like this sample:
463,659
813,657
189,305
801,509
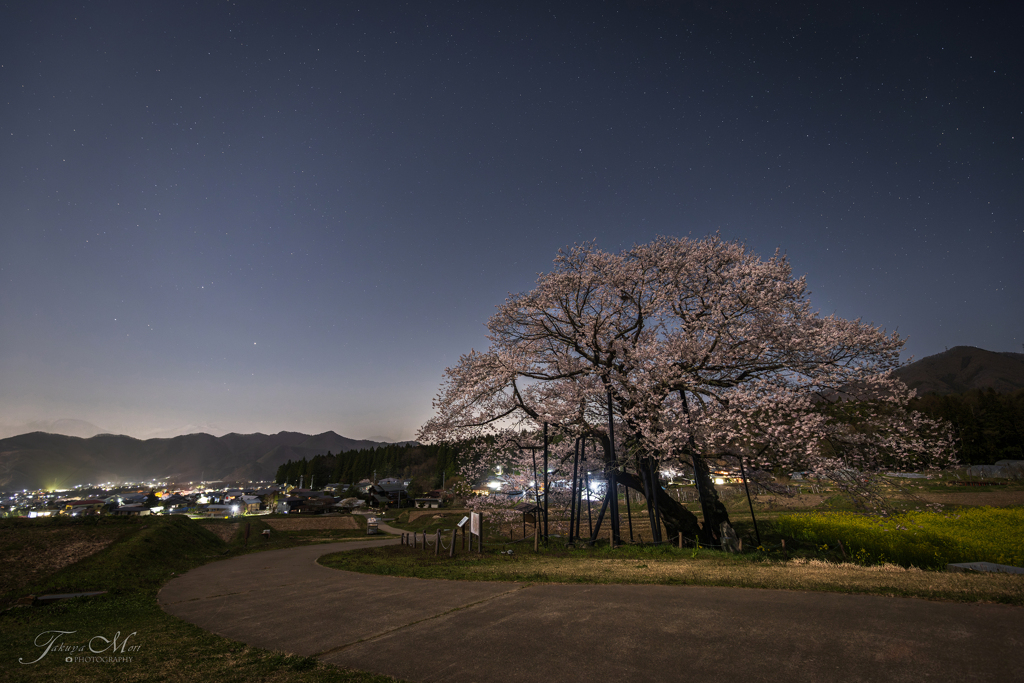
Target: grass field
132,558
798,551
671,566
927,540
799,567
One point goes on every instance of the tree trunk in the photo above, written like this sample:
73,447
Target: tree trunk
714,512
677,519
713,509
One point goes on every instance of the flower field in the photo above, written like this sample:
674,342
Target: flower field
928,540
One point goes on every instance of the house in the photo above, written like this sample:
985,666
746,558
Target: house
216,510
392,489
379,501
131,511
428,502
249,504
291,504
174,501
348,504
319,503
91,506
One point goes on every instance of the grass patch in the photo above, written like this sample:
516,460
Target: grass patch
783,561
430,523
928,540
143,554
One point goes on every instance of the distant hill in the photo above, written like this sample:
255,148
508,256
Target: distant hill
43,460
963,368
63,426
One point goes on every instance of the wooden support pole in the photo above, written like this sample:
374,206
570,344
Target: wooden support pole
451,550
743,473
680,540
596,528
572,492
437,544
629,514
545,484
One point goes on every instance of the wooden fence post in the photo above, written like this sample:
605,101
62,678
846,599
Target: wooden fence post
451,550
437,544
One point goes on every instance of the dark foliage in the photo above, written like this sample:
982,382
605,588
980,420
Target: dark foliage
427,464
989,425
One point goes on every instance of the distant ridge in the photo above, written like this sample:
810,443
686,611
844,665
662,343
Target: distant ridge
963,368
43,460
65,426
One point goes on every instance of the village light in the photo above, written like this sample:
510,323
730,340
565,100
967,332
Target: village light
494,485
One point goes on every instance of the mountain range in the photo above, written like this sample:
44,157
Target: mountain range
56,461
963,368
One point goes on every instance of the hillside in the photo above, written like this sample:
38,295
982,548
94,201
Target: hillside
963,368
42,460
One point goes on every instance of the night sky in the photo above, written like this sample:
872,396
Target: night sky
255,216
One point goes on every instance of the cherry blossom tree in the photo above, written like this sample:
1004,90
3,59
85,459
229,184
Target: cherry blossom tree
678,353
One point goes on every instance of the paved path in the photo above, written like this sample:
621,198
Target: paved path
430,630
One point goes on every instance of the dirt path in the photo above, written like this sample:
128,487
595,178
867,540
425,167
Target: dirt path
429,630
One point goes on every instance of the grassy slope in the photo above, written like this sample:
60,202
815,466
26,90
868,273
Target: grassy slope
782,562
145,554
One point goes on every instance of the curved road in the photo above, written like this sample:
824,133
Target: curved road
430,630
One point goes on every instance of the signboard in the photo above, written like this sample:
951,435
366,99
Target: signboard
474,523
463,522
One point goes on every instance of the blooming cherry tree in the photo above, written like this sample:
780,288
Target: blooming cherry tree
699,350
